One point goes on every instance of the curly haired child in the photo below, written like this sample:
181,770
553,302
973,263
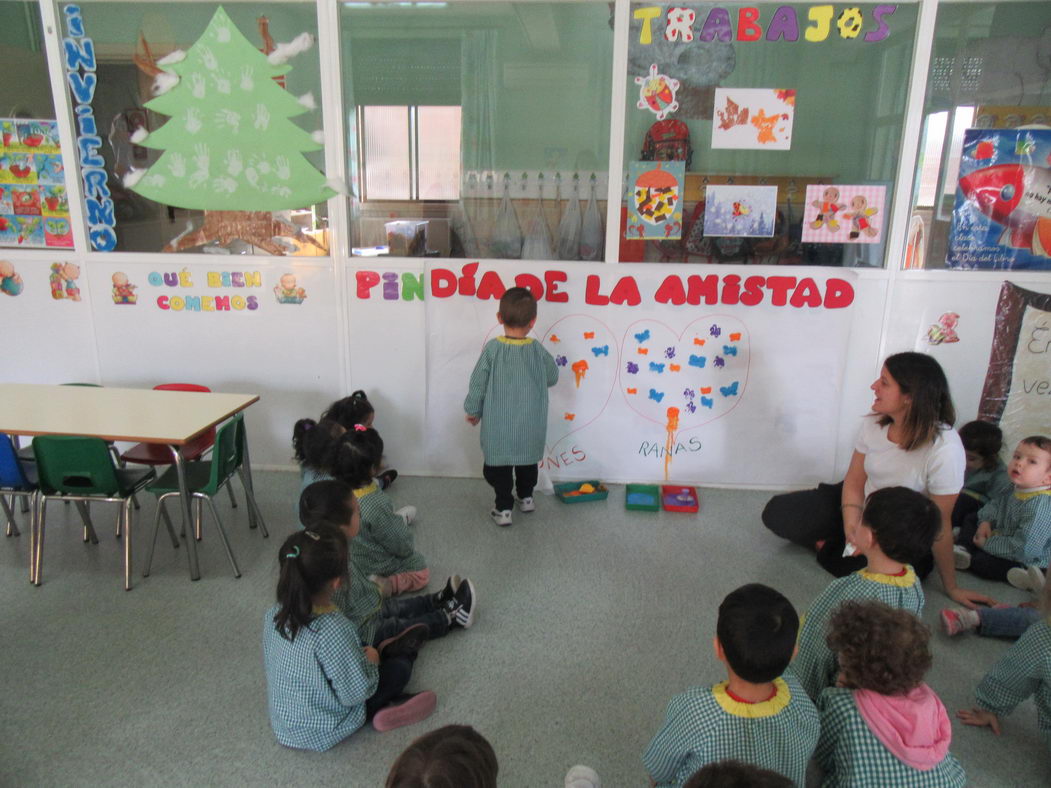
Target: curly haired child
881,725
357,409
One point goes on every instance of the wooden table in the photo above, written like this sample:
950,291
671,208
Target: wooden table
172,418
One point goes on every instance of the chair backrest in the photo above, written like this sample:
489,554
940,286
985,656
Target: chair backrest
12,477
182,387
205,439
75,465
224,454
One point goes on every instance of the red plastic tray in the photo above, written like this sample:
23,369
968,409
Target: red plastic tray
679,499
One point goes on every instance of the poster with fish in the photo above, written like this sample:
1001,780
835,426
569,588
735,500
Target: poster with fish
655,200
1002,218
34,211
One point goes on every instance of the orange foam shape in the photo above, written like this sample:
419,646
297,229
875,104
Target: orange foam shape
698,341
580,369
706,390
633,391
674,367
643,351
554,338
570,416
734,337
589,335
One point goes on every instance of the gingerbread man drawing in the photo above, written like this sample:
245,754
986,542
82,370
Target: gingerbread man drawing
827,207
859,214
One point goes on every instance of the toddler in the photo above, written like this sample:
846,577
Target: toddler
898,525
508,395
757,715
881,725
385,549
333,504
1013,531
1023,671
734,774
356,409
985,476
314,446
322,685
456,755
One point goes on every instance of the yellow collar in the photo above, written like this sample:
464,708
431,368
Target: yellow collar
361,492
320,611
1025,496
514,340
906,580
766,708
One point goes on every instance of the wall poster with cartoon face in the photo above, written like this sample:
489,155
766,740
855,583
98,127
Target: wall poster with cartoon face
34,210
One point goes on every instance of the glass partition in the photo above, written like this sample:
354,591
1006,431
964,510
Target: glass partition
477,129
208,119
773,130
986,140
34,210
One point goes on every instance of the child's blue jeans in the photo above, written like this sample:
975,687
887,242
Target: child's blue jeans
399,613
1006,622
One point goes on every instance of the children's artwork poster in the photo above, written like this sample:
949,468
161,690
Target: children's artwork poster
1002,217
34,210
1017,390
1010,117
753,118
837,214
655,204
674,377
740,211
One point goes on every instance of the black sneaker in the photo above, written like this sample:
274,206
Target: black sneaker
387,478
409,641
462,607
448,592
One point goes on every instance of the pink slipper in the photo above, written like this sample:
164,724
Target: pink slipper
405,710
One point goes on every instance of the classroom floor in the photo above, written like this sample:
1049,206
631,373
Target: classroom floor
590,618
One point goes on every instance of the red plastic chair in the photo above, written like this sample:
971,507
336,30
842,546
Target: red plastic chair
157,454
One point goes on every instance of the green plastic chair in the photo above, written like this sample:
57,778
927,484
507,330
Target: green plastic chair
80,469
204,479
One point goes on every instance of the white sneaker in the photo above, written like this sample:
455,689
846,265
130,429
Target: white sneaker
526,504
582,777
408,513
961,558
501,517
1028,579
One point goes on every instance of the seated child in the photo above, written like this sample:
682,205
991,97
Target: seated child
999,621
897,526
881,725
1013,531
756,715
321,684
986,475
456,755
315,444
1023,671
356,409
734,774
333,504
385,549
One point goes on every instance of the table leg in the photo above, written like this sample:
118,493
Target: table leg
247,479
187,513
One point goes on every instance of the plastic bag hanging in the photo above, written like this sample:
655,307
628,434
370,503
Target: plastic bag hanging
592,236
537,244
507,234
569,227
464,242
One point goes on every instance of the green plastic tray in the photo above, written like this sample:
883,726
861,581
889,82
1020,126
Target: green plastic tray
640,491
601,491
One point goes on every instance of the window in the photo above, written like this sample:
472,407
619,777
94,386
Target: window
409,153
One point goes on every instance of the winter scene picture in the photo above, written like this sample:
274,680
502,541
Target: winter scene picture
740,211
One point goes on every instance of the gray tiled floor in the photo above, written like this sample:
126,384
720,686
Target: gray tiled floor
590,618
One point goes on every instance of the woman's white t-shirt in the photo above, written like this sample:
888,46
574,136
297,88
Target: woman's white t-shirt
934,469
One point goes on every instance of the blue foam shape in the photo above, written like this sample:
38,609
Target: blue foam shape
656,396
698,361
640,338
729,391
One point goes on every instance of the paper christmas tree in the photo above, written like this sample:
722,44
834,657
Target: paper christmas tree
229,145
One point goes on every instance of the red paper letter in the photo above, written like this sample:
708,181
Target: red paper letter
747,29
366,281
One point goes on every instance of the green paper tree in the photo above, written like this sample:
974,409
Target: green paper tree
229,145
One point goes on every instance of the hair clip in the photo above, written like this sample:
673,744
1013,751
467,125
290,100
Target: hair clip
312,535
293,554
360,428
